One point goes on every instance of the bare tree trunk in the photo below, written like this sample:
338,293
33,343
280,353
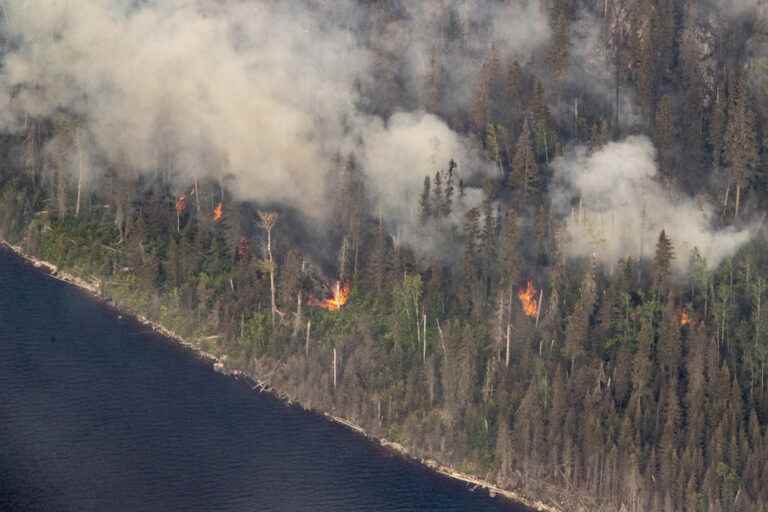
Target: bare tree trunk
424,339
80,165
738,201
759,311
298,322
31,162
418,328
268,221
442,338
272,296
357,254
334,367
618,90
500,322
509,332
538,306
197,197
306,344
61,190
300,301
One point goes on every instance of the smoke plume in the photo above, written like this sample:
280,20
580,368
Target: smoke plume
267,92
617,207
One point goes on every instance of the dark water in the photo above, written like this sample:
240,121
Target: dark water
97,414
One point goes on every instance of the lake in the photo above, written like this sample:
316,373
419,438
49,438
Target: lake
98,413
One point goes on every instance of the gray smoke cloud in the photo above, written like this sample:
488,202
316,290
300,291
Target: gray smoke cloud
464,32
740,7
616,207
254,89
268,92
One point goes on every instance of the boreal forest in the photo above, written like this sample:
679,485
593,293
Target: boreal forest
524,238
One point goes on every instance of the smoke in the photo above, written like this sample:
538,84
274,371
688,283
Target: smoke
266,92
737,8
592,72
255,90
400,152
617,207
464,31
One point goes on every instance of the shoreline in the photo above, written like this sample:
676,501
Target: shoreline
93,288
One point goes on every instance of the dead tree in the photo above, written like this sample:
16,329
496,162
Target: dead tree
268,220
80,169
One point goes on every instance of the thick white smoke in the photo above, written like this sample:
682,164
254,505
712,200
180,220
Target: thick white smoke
617,208
266,91
463,31
253,89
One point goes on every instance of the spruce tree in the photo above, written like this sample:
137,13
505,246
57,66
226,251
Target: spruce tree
524,168
740,143
425,206
662,262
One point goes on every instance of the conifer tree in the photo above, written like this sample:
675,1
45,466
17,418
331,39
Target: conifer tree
577,329
524,168
509,255
447,206
670,349
717,128
740,143
492,146
438,197
559,51
433,85
665,136
470,274
425,202
378,265
662,262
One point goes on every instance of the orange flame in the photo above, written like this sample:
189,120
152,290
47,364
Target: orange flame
181,204
335,303
528,300
684,318
218,212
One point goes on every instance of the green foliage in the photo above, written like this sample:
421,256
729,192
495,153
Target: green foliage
605,395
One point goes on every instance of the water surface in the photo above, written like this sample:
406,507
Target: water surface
97,413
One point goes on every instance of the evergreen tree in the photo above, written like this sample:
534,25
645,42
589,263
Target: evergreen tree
717,128
510,261
740,144
471,279
577,329
559,51
447,206
438,197
662,262
670,349
524,168
665,137
492,146
425,202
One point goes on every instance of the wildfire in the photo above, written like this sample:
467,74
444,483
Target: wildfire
218,212
339,299
684,318
528,300
181,204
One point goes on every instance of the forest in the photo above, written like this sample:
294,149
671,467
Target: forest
521,237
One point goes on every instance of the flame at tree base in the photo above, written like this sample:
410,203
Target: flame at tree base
684,318
335,303
528,300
